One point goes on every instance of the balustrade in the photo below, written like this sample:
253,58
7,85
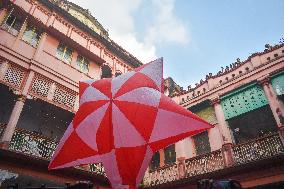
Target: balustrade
32,144
258,149
255,150
204,164
161,176
40,146
265,147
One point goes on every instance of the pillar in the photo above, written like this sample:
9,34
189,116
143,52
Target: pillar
76,105
215,138
162,157
275,106
3,12
3,68
272,100
227,151
222,124
185,148
16,112
40,46
11,126
181,168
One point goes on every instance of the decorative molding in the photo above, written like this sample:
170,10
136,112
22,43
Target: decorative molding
215,101
229,69
264,81
21,98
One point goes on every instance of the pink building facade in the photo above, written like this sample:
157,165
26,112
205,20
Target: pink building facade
48,46
245,103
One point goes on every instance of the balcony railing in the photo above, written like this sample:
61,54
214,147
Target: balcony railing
258,149
40,146
254,150
32,144
204,164
261,148
194,166
162,175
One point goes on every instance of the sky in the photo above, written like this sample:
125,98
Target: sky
195,37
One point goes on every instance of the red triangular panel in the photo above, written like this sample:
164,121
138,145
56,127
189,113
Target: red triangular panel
103,85
161,144
86,109
79,150
140,115
82,87
105,141
167,103
129,161
136,81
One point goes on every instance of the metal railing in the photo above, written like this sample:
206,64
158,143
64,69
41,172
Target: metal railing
253,150
40,146
161,175
258,149
206,163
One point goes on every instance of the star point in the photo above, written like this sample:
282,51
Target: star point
121,122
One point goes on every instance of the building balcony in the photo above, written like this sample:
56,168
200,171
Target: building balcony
206,165
214,164
42,147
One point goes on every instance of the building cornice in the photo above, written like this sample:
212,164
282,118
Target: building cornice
222,90
109,44
232,67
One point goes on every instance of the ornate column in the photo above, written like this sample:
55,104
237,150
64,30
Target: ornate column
181,168
223,126
40,46
276,107
215,138
16,112
3,12
11,126
162,157
225,132
3,68
185,148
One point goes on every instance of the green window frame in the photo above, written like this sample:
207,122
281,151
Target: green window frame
64,53
243,100
82,64
31,35
12,23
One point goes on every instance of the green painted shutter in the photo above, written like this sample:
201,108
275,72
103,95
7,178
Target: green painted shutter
208,114
278,83
243,100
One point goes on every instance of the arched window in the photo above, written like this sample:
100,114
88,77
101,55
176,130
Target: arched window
106,72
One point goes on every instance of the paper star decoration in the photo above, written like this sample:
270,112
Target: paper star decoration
122,122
